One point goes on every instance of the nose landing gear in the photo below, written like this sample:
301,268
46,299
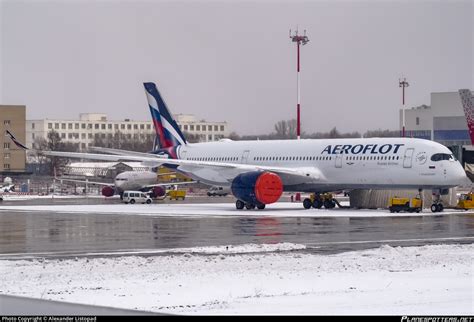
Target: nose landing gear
437,206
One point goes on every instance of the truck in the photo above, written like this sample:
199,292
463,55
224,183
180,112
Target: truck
398,204
218,191
466,201
176,194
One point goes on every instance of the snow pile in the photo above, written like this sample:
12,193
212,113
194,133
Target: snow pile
240,249
434,280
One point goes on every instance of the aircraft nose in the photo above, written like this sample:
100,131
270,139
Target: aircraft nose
459,175
118,183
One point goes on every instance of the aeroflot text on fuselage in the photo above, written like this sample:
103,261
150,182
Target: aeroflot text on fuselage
362,148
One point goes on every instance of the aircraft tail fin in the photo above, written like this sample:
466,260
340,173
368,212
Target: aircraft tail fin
468,106
167,130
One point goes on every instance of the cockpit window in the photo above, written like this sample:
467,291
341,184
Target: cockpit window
442,156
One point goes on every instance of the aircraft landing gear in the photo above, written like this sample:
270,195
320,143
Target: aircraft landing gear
437,206
316,200
239,204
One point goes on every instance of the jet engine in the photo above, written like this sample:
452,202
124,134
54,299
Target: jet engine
257,188
108,191
157,192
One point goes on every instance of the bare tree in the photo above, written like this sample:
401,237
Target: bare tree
382,134
54,143
119,140
192,138
281,129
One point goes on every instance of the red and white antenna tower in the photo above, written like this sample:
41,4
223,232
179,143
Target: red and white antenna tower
403,83
299,40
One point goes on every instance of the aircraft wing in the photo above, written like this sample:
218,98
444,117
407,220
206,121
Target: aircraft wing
86,181
163,184
118,151
228,170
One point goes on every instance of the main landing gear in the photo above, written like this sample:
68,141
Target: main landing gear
319,200
239,204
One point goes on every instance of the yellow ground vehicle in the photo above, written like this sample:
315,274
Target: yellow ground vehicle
466,201
398,204
176,194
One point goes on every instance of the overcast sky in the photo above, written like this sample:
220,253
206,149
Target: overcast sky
233,60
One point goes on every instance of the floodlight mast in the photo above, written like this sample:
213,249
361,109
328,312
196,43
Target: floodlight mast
300,40
403,83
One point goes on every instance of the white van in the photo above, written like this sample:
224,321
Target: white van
136,196
218,191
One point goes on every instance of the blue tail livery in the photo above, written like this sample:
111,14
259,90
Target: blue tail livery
167,130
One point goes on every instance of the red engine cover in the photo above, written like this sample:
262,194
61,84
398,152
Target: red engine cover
158,192
108,191
268,188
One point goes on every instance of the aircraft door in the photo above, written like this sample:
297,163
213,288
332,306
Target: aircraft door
245,156
408,158
338,161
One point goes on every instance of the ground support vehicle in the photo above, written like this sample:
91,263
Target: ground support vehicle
466,201
136,197
176,194
398,204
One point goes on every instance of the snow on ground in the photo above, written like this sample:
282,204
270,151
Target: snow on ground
280,209
428,280
21,197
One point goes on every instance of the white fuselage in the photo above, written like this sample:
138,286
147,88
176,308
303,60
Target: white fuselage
131,180
342,163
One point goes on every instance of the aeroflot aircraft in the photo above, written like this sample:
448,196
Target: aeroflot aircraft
259,171
131,180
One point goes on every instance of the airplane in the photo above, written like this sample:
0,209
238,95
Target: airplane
258,172
146,181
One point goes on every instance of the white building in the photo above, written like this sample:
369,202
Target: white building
204,130
92,125
444,121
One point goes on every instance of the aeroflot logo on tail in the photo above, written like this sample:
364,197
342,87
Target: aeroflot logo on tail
362,148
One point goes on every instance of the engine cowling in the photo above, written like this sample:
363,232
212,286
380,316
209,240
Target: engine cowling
157,192
108,191
257,187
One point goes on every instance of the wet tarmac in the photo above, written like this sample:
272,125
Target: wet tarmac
43,234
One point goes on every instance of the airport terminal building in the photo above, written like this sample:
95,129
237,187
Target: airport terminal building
443,121
90,126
